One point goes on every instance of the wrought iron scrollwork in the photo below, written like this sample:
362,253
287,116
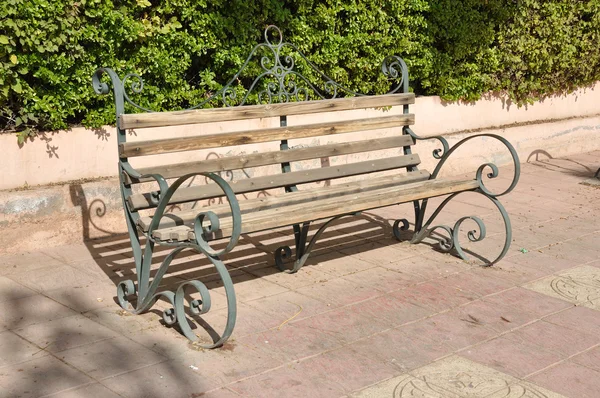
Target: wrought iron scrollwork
146,291
176,314
451,241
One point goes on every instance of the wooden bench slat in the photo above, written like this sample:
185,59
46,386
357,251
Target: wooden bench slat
181,144
330,207
144,201
259,204
276,157
177,118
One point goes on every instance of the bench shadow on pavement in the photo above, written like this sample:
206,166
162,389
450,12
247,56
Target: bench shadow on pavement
251,259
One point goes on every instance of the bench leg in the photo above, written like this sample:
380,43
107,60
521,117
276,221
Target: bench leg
302,249
146,294
452,242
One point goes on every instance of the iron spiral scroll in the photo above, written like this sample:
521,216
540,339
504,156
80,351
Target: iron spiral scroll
451,242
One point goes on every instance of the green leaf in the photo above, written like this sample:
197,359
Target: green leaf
22,136
3,39
13,59
17,87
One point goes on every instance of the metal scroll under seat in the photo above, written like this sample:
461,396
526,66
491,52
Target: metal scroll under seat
386,174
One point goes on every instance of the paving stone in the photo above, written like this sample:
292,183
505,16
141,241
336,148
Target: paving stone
11,290
512,356
498,317
454,331
86,298
403,350
52,277
90,250
95,390
122,321
589,358
344,324
39,377
482,282
221,393
288,381
249,321
339,292
15,349
546,260
454,377
289,304
166,379
234,362
308,275
110,357
249,287
399,386
382,279
433,266
580,285
577,318
291,342
27,261
526,300
392,310
64,333
524,389
578,254
555,338
570,379
31,310
347,368
434,296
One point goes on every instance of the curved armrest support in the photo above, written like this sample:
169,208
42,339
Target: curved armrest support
213,219
494,172
438,153
162,184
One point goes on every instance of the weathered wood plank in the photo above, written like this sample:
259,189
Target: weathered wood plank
155,147
308,196
275,157
144,201
330,207
161,119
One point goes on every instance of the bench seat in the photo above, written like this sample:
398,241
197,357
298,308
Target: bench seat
304,206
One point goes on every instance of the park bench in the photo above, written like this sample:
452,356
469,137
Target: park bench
280,92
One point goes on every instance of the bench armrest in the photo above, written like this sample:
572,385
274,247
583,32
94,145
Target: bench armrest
199,230
445,152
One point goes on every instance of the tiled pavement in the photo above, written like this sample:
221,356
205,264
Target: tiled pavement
367,316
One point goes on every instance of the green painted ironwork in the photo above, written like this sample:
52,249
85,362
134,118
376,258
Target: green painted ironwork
278,81
424,229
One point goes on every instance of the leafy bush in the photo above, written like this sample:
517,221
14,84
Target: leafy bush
49,49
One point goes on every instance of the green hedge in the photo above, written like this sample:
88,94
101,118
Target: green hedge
49,49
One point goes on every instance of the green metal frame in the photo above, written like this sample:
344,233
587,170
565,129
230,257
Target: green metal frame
278,82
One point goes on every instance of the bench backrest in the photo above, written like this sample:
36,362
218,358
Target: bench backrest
286,87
